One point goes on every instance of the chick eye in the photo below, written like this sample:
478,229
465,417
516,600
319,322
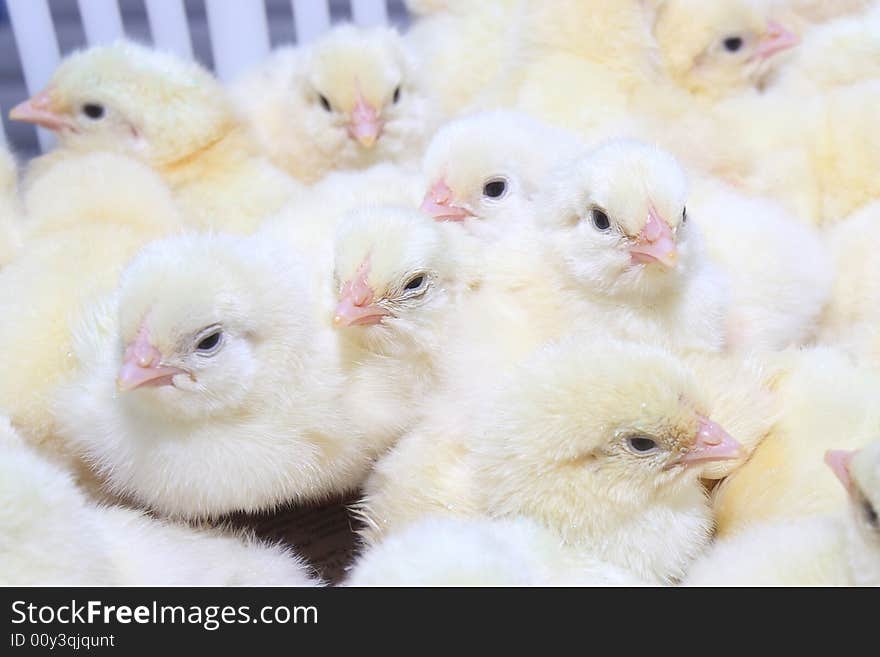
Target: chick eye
415,282
684,216
870,514
600,219
325,103
495,188
641,444
396,98
733,44
210,343
93,110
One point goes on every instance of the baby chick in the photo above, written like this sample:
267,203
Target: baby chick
479,552
602,442
349,100
824,550
10,210
213,387
86,218
395,287
484,170
717,49
620,234
825,402
50,534
171,114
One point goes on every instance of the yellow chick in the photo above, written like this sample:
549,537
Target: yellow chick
716,49
212,387
445,551
171,114
396,286
52,535
825,402
10,210
779,270
86,218
602,442
620,234
836,550
349,100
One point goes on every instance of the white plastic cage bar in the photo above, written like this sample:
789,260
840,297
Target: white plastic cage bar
101,20
239,36
169,26
369,13
311,18
37,47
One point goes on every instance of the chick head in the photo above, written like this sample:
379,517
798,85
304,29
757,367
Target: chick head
719,48
201,321
484,170
617,220
130,99
363,104
588,435
393,276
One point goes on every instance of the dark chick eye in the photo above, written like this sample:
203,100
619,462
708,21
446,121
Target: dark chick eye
733,44
495,188
684,216
396,98
325,103
600,219
210,342
641,444
93,111
415,283
870,513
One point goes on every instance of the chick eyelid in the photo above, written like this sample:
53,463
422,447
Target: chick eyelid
418,291
207,332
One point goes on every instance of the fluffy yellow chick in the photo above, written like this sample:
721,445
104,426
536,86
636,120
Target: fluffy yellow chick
720,48
447,42
479,552
10,210
51,535
396,286
349,100
207,385
86,217
484,170
600,442
779,269
621,235
841,52
813,551
171,114
825,402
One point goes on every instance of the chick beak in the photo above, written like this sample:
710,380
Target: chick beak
356,307
838,460
438,204
38,110
655,243
365,125
776,39
142,366
712,444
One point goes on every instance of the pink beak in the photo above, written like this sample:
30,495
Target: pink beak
777,39
365,125
37,110
712,444
142,366
356,307
438,204
656,243
838,460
